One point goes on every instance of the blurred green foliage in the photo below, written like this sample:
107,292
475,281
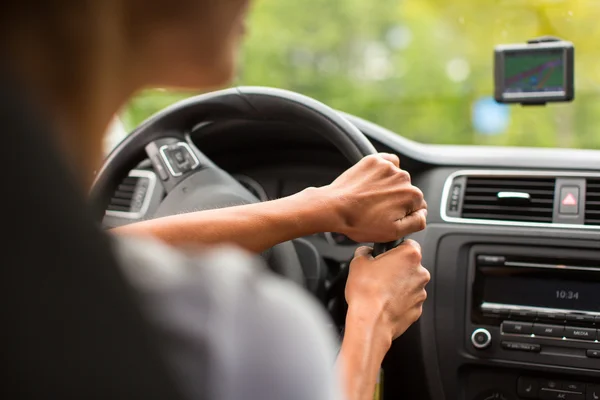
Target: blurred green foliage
416,66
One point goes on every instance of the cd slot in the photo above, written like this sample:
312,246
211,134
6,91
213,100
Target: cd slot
541,288
536,262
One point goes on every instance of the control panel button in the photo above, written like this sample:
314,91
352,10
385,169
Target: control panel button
534,348
481,338
524,328
494,394
548,330
573,332
490,260
523,315
549,394
495,312
592,392
549,316
550,384
527,388
587,319
569,200
574,387
593,353
455,197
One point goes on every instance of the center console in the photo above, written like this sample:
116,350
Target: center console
522,320
534,304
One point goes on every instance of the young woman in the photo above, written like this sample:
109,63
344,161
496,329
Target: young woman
79,61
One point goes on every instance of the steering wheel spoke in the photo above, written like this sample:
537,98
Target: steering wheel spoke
192,181
174,160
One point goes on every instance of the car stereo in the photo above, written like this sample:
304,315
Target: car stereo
505,282
536,72
540,305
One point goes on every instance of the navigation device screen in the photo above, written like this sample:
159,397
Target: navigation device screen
534,72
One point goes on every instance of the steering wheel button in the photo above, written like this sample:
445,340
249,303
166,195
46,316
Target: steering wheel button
178,156
159,168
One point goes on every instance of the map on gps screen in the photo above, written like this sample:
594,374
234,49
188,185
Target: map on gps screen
534,72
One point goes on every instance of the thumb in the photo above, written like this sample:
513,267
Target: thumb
363,251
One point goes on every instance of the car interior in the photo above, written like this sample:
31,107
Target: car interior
511,243
512,239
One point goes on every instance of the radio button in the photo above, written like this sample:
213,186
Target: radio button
589,319
524,328
490,260
574,387
535,348
494,312
548,330
523,314
550,384
549,316
593,392
593,353
481,338
572,332
527,388
548,394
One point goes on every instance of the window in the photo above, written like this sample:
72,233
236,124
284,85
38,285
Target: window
423,69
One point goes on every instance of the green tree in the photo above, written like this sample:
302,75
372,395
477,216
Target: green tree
416,67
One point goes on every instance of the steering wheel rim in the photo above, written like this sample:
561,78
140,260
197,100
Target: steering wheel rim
246,103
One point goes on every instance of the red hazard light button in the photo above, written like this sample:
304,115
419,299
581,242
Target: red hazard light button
569,200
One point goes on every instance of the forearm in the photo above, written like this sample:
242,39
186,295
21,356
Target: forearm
364,346
255,227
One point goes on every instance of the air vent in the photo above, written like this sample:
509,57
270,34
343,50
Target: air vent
122,199
130,199
592,202
522,199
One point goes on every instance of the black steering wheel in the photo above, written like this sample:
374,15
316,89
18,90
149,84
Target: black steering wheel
193,182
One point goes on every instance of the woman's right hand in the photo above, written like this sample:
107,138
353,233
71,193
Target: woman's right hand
385,296
388,290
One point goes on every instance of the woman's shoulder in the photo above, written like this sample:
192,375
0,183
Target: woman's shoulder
221,311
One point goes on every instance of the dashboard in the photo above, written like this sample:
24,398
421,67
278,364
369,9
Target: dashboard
512,244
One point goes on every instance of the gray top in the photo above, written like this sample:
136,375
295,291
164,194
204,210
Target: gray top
229,328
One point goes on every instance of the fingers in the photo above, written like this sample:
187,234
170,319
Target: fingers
412,243
409,250
363,251
394,159
414,222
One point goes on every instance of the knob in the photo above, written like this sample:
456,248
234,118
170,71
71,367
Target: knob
481,338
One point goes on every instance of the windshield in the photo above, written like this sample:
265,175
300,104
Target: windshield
422,68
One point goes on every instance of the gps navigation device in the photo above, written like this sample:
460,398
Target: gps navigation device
536,72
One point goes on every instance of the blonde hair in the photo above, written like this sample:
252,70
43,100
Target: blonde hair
66,52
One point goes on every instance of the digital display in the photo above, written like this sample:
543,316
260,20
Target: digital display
534,71
547,293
